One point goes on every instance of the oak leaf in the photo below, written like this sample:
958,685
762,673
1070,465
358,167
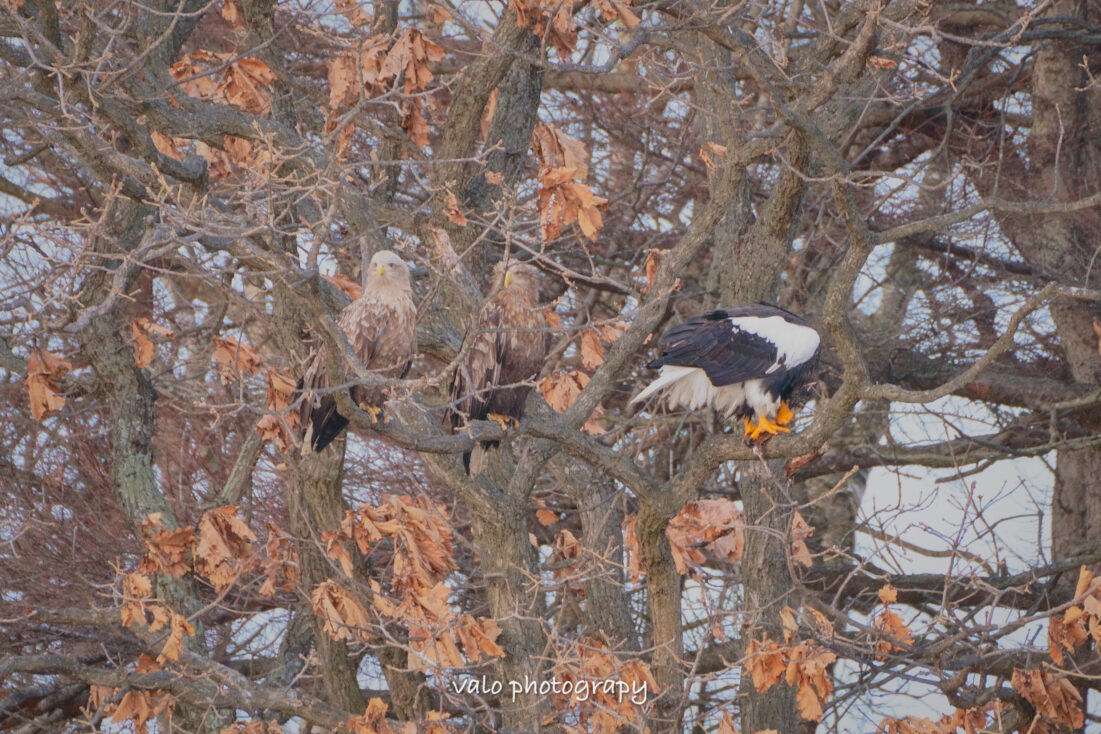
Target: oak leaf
141,330
373,720
343,617
713,524
454,214
166,551
234,358
224,550
44,374
1053,696
650,268
139,707
592,351
800,531
895,635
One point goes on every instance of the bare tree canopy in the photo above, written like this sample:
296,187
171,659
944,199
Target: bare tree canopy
192,193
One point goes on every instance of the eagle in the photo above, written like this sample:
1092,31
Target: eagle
507,348
746,361
381,327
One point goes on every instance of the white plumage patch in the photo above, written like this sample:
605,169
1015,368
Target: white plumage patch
795,344
690,387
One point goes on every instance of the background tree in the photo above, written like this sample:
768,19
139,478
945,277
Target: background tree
191,190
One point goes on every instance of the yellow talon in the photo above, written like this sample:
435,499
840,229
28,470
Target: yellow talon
763,426
784,415
503,421
374,411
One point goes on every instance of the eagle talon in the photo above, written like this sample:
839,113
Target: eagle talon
504,421
374,411
764,427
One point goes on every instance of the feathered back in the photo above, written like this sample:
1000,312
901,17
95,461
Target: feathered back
381,327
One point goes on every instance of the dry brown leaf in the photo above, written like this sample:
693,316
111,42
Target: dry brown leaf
714,524
141,330
353,11
545,517
650,269
343,82
351,288
166,145
166,551
592,351
630,547
880,62
895,634
766,663
1054,696
373,720
231,13
487,120
256,726
414,122
234,357
280,564
565,551
343,617
800,531
888,594
44,374
454,214
224,550
173,646
139,707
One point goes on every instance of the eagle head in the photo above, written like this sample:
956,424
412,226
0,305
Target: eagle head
519,278
387,269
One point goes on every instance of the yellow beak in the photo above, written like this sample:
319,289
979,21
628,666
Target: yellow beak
508,279
380,270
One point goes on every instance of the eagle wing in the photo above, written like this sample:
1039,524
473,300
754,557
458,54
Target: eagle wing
507,351
717,344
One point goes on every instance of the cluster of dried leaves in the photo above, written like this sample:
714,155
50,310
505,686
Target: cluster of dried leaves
586,665
564,197
894,634
221,551
138,608
374,721
420,541
802,664
562,388
137,707
556,22
378,67
969,721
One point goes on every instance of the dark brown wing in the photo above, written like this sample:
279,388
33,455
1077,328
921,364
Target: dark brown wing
507,353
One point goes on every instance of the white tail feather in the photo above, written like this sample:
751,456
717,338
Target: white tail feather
668,375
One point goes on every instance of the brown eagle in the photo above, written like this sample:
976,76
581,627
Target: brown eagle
508,345
381,327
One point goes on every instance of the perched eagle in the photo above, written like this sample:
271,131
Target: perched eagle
746,361
381,327
508,345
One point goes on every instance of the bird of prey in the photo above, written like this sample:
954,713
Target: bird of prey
507,348
746,361
381,327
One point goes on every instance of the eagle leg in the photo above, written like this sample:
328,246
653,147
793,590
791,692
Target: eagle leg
764,426
784,415
504,421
